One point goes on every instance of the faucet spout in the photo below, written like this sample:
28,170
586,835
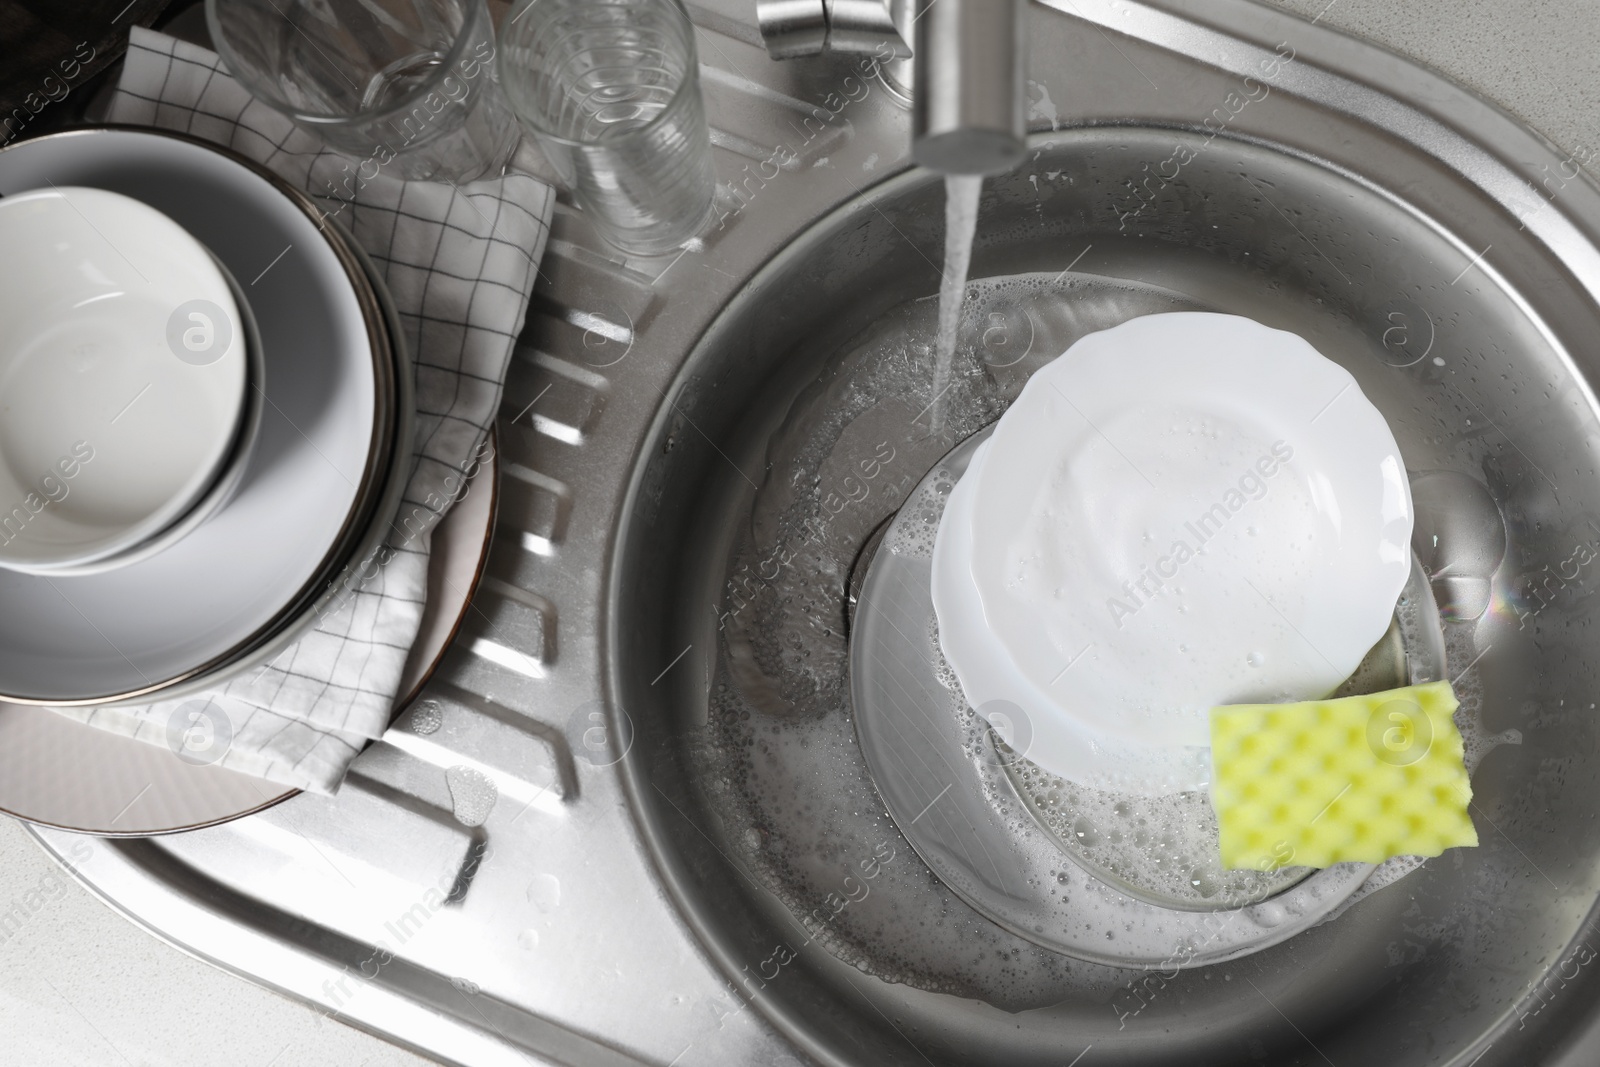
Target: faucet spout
967,78
969,113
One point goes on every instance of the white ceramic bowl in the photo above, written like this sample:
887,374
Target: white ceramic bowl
122,375
322,483
1064,597
233,467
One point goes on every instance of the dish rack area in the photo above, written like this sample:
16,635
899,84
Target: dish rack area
484,845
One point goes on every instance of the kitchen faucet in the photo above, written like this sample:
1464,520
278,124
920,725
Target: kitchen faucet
966,59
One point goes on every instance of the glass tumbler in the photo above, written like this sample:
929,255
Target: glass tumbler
407,84
611,91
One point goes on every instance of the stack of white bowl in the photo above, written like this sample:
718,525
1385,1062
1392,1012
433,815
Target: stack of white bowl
205,416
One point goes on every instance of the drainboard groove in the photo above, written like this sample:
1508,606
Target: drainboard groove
559,752
534,506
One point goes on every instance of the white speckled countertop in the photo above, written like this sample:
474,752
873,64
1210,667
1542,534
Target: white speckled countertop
79,985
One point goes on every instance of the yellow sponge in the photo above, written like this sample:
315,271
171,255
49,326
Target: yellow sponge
1327,781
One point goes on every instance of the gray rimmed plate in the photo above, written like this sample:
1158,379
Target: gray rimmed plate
320,471
59,772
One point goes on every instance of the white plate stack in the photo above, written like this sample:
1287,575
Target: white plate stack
304,471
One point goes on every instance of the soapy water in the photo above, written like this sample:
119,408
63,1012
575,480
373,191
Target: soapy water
1161,849
777,762
943,773
860,442
1208,925
1165,849
777,759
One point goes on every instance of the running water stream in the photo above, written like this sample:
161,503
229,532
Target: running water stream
960,223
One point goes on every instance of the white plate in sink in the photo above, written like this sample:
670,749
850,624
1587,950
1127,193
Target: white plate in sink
1183,511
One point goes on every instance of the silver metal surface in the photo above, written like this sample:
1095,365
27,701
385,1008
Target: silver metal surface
963,77
899,75
865,27
969,104
794,28
528,869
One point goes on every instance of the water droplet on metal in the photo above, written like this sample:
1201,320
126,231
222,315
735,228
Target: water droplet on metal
544,892
472,795
425,718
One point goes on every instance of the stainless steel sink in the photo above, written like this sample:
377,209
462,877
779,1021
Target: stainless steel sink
686,862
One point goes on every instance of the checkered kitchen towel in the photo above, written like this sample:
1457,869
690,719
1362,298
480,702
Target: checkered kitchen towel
460,262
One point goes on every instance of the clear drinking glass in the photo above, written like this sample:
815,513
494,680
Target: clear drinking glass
407,83
611,90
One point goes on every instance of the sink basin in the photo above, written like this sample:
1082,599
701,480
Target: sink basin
798,425
686,861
